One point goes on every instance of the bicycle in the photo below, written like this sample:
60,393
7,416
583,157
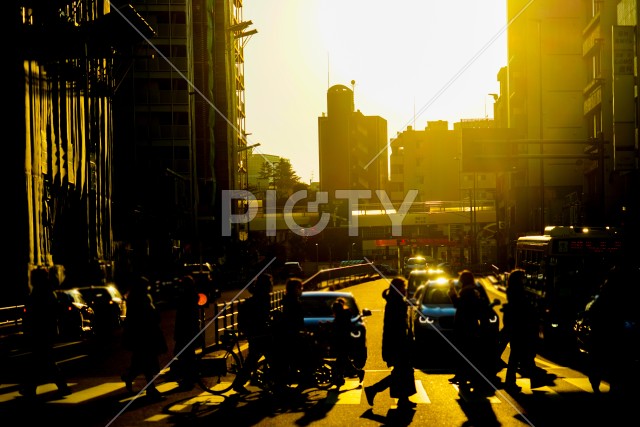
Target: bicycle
213,366
317,366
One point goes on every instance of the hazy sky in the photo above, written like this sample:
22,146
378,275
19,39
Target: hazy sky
413,61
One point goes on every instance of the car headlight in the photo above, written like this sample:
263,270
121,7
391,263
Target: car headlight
426,320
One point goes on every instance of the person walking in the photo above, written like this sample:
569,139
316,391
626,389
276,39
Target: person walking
186,335
520,330
40,331
613,317
471,312
254,322
143,337
340,341
396,347
292,356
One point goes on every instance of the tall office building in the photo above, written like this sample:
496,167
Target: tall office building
180,129
544,90
352,147
610,50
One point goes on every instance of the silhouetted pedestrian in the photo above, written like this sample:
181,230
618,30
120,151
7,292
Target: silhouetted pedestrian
291,355
186,334
469,333
520,330
614,319
341,341
143,336
254,321
396,347
40,331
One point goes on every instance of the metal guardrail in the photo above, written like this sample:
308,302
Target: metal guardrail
11,316
228,317
336,278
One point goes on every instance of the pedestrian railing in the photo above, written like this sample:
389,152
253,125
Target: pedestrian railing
329,279
336,278
11,319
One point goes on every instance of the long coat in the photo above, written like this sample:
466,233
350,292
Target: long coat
396,344
142,331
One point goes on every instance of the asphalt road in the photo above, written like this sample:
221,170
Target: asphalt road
100,399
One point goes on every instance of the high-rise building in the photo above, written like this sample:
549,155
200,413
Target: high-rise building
180,131
544,92
59,159
610,105
353,149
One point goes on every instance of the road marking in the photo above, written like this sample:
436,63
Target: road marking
157,417
421,394
470,396
529,391
584,384
349,394
168,386
89,393
546,364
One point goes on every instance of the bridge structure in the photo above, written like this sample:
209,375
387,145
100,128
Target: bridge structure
450,231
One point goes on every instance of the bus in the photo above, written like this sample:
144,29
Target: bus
564,267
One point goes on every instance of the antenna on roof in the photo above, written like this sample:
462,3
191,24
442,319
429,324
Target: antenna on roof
353,89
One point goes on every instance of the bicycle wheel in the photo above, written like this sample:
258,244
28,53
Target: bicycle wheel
264,376
323,375
358,357
218,376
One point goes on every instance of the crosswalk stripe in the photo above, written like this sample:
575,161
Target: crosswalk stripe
157,417
493,399
525,384
585,385
41,389
349,394
421,394
89,393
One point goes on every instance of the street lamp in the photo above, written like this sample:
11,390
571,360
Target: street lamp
317,261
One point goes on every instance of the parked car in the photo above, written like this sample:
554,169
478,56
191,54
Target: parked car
414,263
76,317
107,303
318,318
432,319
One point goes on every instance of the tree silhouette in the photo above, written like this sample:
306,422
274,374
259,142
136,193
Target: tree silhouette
281,177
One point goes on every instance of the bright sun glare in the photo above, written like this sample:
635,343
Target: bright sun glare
412,61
